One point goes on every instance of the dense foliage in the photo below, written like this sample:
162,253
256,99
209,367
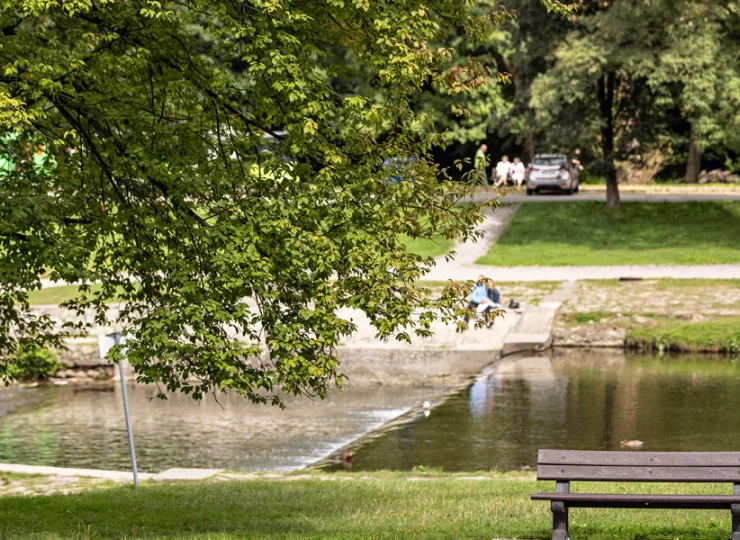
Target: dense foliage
211,176
646,85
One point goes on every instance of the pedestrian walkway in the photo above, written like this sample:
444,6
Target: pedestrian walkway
116,476
600,196
575,273
463,266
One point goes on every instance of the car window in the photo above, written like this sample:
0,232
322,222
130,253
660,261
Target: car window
549,161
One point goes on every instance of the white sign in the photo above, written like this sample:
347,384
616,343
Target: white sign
107,341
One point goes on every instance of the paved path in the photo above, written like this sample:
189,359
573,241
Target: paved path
601,196
575,273
463,266
116,476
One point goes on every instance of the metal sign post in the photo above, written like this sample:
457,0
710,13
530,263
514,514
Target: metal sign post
106,343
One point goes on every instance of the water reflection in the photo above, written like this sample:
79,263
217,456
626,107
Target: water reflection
84,427
583,400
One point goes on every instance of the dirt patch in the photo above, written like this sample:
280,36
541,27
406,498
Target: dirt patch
35,485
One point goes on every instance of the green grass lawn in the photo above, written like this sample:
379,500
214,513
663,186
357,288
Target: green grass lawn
428,248
720,334
380,505
56,295
586,233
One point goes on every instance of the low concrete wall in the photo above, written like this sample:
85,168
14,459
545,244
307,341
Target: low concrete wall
394,367
370,366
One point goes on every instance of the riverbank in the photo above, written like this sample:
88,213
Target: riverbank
686,315
422,504
690,315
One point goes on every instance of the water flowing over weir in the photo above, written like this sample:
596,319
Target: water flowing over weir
83,427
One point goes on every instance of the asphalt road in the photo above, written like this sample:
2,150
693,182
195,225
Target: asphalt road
601,196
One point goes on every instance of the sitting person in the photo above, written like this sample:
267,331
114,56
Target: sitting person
491,303
494,296
518,171
484,298
503,169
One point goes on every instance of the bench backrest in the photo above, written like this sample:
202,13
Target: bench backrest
571,465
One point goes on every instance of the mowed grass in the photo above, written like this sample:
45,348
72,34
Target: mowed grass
381,505
426,247
62,293
586,233
56,295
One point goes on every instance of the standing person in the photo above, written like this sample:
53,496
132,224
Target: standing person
517,172
575,160
481,161
503,168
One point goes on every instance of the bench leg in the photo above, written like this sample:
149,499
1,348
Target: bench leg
560,521
735,509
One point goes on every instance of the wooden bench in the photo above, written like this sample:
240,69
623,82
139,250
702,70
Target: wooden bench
566,466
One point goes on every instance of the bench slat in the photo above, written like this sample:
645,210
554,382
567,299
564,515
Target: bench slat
616,473
639,459
604,500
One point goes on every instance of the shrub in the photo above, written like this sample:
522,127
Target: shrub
33,362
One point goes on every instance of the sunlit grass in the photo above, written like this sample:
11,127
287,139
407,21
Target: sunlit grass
426,247
586,233
721,334
374,505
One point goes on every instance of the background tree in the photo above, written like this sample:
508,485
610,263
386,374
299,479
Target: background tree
597,88
230,260
699,72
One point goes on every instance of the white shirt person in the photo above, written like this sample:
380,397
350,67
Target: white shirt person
518,171
503,168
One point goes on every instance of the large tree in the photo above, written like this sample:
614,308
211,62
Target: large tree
596,88
699,72
637,76
210,178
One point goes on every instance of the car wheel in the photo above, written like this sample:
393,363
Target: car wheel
530,191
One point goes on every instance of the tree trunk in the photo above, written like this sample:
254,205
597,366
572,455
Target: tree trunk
606,107
529,145
693,166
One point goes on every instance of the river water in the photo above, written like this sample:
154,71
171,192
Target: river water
84,427
561,400
580,400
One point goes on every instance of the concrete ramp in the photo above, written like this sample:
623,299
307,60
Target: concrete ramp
532,330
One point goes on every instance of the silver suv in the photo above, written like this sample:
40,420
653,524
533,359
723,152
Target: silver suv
551,171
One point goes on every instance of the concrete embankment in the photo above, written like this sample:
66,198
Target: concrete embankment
447,357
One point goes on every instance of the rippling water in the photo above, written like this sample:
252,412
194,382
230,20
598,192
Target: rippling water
84,427
582,400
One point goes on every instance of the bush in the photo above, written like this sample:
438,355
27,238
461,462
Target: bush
33,362
714,335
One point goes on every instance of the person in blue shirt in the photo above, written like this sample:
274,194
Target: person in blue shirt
484,298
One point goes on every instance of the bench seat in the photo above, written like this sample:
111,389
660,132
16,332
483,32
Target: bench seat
566,466
611,500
